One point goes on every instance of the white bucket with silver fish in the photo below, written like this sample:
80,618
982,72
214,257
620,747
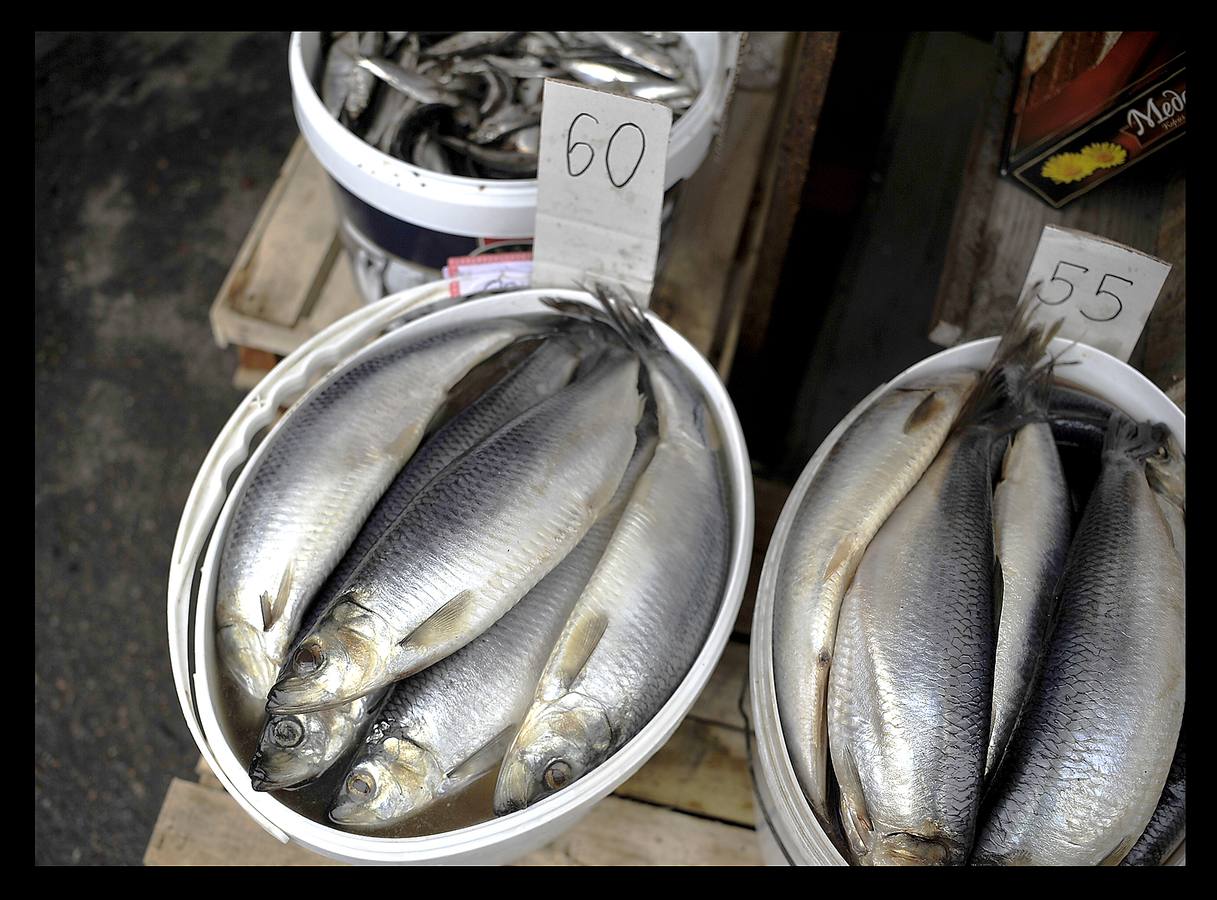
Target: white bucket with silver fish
192,650
788,830
419,217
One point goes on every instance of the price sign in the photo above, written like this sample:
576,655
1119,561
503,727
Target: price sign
600,181
1104,291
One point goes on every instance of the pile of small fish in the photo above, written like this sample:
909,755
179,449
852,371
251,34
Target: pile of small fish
469,102
979,625
500,546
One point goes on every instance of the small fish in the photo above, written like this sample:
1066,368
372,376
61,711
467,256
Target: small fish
638,50
412,84
1090,754
472,543
648,607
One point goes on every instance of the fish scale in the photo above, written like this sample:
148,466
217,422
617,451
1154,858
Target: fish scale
473,542
1091,750
320,472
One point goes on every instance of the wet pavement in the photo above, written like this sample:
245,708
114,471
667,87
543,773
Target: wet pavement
153,153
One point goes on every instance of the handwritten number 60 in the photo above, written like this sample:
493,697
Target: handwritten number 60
571,144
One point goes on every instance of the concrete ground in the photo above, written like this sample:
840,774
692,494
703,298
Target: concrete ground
153,153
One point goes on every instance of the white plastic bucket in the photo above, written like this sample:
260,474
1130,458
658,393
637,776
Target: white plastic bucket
790,833
192,632
482,207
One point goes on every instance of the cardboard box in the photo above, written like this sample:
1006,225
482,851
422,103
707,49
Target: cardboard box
1091,104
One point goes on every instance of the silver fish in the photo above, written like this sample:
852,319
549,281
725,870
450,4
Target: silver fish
340,63
1031,537
1165,831
866,474
323,467
360,82
445,727
296,749
645,613
910,688
472,543
467,42
411,83
637,50
1090,754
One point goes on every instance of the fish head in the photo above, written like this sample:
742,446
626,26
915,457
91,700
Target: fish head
557,744
910,848
392,779
1165,469
343,658
242,650
295,749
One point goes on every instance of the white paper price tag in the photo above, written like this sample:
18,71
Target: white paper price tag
600,180
1104,291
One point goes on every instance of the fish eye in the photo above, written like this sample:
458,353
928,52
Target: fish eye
361,784
557,774
308,659
286,731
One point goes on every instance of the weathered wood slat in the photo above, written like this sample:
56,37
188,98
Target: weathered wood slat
770,496
276,275
710,217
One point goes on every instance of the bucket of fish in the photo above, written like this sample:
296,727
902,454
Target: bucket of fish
431,139
968,644
508,539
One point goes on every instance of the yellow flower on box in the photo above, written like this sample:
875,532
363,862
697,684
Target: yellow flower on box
1105,155
1065,168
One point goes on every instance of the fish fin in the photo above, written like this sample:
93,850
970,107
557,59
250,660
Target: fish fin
486,757
856,820
574,652
1115,856
1138,440
926,411
1014,388
442,624
273,609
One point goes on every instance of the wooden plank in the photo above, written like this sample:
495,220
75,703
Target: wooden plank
337,296
199,826
769,496
710,217
1165,358
202,827
702,769
719,700
207,778
623,833
293,248
954,295
790,152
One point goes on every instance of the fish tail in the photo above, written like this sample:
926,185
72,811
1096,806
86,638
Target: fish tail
1128,437
1014,390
